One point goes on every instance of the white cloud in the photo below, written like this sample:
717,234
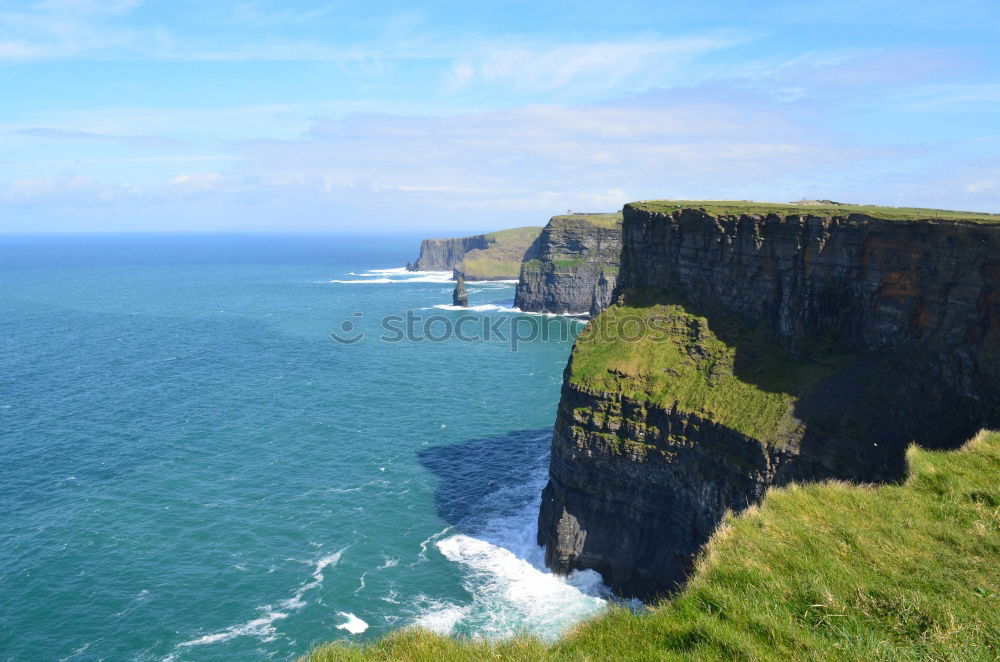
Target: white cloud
198,182
983,186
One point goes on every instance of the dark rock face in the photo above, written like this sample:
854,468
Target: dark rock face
445,254
862,283
624,501
637,488
572,266
460,297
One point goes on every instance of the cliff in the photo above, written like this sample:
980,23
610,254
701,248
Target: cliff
572,266
492,256
757,345
445,254
500,258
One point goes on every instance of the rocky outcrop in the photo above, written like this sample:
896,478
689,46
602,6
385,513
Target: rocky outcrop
445,254
894,325
460,297
572,266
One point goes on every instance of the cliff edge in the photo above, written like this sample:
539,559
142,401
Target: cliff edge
573,265
754,345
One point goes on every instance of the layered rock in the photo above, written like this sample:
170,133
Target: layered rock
445,254
572,266
794,344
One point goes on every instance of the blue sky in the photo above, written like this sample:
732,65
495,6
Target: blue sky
129,115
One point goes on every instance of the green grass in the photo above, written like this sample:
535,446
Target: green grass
518,236
661,351
817,572
501,259
484,267
739,207
608,221
569,264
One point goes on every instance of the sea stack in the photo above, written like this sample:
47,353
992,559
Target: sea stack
460,297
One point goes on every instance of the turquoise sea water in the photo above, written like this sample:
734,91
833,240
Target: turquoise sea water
193,469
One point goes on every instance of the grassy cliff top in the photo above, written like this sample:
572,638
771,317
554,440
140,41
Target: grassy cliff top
738,207
515,235
608,221
660,351
815,572
501,259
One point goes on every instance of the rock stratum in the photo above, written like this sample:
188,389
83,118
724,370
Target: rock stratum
572,266
492,256
445,254
754,345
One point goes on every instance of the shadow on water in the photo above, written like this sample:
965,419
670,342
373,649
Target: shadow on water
483,479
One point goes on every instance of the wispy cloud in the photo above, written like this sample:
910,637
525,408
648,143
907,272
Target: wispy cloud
965,95
607,64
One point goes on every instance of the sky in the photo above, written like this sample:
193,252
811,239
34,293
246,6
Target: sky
183,115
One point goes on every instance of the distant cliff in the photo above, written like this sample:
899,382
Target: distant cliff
572,266
445,254
754,345
501,258
493,256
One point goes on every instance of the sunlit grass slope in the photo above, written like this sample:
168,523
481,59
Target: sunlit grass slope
653,350
501,259
816,572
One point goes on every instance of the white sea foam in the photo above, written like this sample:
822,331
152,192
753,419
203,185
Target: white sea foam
354,625
259,627
396,275
263,627
296,601
512,595
389,562
441,617
512,591
368,281
422,555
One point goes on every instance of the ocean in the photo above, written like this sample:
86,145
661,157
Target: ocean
238,447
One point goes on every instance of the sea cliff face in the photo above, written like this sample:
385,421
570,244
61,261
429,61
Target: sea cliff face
787,347
573,265
445,254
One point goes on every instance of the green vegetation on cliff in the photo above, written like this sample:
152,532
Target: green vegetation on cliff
825,571
501,259
740,207
659,350
608,221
